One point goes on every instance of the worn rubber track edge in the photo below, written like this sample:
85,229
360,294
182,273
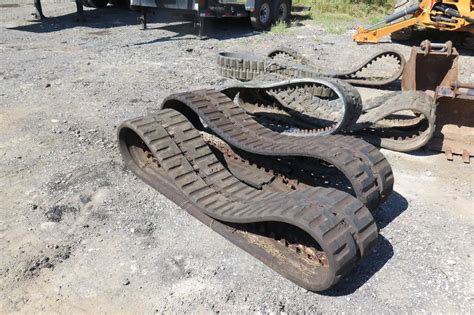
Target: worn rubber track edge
294,95
384,106
340,224
246,67
351,76
363,165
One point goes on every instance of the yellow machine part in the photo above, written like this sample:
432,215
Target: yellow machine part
424,18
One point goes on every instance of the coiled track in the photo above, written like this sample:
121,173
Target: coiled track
401,121
246,67
246,182
300,107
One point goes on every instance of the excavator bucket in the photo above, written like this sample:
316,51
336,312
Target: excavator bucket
454,133
430,66
433,68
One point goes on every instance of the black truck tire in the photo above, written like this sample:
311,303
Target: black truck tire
95,3
261,18
281,11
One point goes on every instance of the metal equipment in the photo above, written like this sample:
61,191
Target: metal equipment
262,13
443,15
433,68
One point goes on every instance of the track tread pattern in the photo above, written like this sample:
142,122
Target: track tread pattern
365,167
340,223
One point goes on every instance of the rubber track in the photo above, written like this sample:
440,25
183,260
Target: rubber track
364,166
246,67
301,99
375,125
195,179
398,135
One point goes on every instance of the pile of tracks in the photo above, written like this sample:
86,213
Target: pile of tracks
291,94
289,63
264,164
300,205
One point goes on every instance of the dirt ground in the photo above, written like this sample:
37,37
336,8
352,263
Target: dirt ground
80,233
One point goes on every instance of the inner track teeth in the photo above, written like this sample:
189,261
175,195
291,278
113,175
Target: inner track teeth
290,64
401,121
301,109
309,109
299,205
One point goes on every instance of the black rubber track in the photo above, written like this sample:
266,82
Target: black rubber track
363,165
168,152
324,106
382,123
246,67
378,123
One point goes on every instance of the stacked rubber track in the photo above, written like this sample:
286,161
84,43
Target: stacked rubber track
400,121
214,160
246,67
306,107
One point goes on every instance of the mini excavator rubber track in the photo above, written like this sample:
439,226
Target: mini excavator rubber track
246,67
276,197
400,121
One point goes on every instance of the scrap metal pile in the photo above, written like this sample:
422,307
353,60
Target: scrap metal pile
272,164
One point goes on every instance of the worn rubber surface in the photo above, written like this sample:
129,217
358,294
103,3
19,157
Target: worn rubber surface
247,67
367,170
400,121
304,106
312,236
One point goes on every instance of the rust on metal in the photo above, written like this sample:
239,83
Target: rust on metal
434,68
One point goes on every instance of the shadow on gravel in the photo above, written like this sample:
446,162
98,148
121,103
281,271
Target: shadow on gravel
99,18
382,253
213,28
395,205
110,17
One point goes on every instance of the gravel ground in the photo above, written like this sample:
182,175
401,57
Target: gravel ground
80,233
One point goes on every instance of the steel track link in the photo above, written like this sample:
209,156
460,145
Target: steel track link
185,169
246,67
363,165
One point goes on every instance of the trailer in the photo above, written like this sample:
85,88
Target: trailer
262,13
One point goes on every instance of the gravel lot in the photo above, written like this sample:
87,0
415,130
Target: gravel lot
80,233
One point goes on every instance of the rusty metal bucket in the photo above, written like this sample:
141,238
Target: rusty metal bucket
430,66
454,133
433,68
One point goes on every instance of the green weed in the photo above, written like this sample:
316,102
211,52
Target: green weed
336,16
